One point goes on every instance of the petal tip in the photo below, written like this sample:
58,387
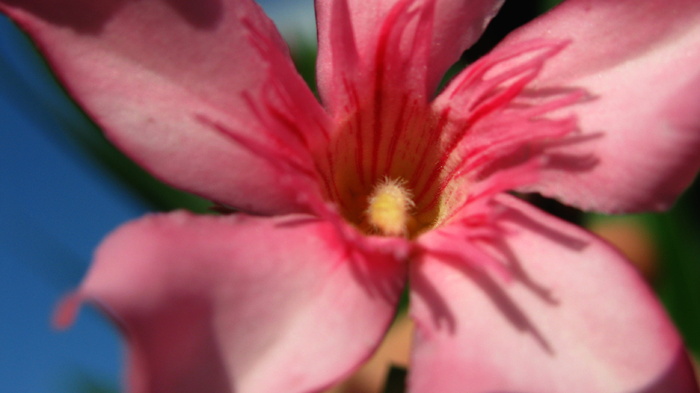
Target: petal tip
66,311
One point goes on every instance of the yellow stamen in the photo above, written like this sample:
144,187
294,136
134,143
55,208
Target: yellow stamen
389,208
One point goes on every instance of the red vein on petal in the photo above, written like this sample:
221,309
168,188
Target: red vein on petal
287,125
504,180
498,101
396,134
355,124
275,157
335,193
433,138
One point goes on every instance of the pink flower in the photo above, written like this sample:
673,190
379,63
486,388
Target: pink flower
595,103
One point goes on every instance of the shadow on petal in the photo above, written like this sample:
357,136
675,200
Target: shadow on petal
177,350
83,16
556,235
378,273
504,303
558,159
675,378
439,309
203,14
163,344
90,17
521,275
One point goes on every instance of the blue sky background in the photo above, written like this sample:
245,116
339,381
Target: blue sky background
57,202
55,206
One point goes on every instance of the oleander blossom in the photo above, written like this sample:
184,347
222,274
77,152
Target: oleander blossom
388,181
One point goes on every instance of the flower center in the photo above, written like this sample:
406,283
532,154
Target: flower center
389,209
385,171
398,165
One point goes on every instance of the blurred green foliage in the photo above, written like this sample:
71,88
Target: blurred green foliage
678,238
84,382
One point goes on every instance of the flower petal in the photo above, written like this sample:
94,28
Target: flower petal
237,303
396,45
640,132
149,72
574,317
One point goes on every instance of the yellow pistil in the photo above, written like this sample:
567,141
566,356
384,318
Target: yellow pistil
389,209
